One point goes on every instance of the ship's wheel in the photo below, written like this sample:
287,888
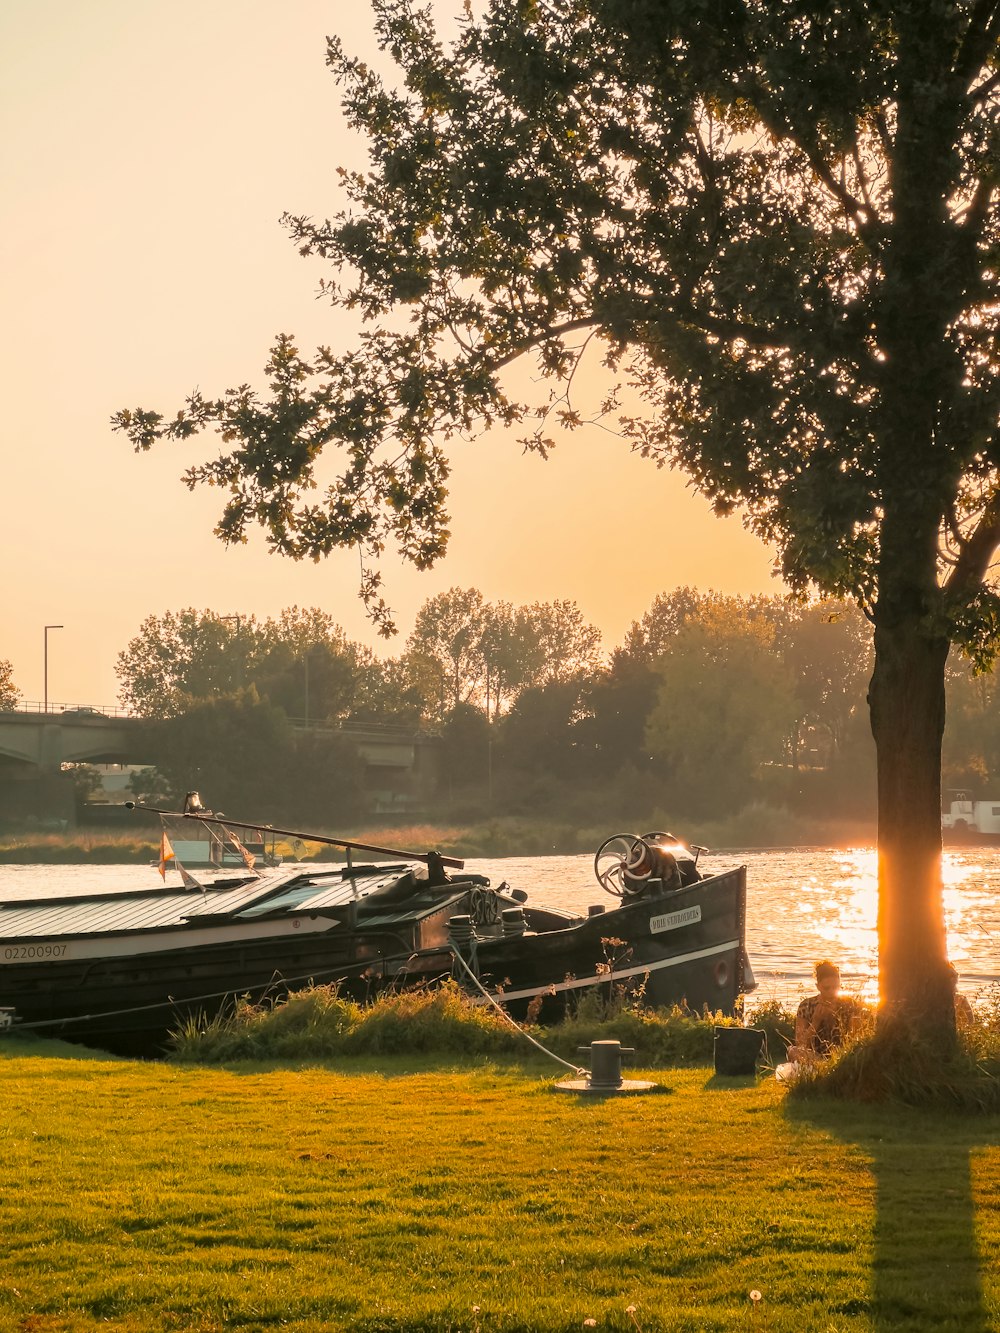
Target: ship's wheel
613,855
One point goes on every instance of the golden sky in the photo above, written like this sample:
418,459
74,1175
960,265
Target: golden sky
147,152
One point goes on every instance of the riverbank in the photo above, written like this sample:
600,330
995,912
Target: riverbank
393,1195
755,827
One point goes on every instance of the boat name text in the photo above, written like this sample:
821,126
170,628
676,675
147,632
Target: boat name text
674,920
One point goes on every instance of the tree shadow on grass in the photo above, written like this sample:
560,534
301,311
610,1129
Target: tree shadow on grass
927,1270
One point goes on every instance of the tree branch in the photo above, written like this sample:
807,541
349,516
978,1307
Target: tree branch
780,123
977,550
981,31
987,86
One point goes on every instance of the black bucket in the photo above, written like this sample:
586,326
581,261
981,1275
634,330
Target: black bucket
737,1050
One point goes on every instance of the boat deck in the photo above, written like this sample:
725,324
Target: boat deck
283,893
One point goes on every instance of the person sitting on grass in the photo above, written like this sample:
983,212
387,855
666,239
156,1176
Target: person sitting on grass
822,1021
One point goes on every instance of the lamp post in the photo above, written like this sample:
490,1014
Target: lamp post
47,628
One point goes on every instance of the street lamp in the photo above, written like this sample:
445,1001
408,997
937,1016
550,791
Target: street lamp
47,628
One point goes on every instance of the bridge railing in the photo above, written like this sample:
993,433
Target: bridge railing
78,710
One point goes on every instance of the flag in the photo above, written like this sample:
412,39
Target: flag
166,854
187,879
249,860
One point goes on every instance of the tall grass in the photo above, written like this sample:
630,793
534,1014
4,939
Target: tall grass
888,1062
78,847
319,1023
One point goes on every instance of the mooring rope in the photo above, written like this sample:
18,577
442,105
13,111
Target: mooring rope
577,1069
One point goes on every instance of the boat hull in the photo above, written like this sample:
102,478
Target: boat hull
683,948
126,993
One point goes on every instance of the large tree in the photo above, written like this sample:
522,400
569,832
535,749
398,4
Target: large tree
778,221
184,657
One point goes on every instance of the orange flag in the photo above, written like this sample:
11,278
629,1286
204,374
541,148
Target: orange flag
166,854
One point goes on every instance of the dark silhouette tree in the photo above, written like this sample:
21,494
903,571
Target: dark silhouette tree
777,220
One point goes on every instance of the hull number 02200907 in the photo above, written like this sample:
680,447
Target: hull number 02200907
26,953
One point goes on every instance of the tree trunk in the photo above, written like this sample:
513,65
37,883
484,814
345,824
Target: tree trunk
907,704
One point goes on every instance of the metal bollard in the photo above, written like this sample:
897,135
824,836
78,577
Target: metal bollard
513,922
606,1063
606,1072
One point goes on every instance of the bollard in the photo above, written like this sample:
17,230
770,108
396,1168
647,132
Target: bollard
513,922
461,931
606,1063
606,1072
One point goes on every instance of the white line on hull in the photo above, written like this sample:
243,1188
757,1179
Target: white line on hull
127,946
619,973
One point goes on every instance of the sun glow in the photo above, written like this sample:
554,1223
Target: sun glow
804,906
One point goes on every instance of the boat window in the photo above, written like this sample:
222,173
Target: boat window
333,895
288,900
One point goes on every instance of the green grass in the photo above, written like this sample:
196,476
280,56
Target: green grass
385,1193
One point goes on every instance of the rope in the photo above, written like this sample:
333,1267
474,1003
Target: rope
577,1069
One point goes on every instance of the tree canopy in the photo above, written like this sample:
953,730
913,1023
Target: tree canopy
776,223
190,656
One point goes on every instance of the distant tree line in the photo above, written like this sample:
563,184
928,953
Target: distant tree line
710,702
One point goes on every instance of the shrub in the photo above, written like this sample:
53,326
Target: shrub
887,1063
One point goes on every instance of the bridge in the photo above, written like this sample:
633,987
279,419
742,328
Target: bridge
401,765
32,741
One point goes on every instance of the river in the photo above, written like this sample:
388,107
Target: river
802,905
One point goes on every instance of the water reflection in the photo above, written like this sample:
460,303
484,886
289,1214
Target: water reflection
829,905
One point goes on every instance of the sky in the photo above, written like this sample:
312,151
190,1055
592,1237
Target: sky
148,150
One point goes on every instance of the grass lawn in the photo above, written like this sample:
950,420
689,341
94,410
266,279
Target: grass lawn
392,1195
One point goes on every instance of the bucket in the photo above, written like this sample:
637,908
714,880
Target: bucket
737,1050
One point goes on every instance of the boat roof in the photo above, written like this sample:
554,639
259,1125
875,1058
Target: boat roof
286,891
